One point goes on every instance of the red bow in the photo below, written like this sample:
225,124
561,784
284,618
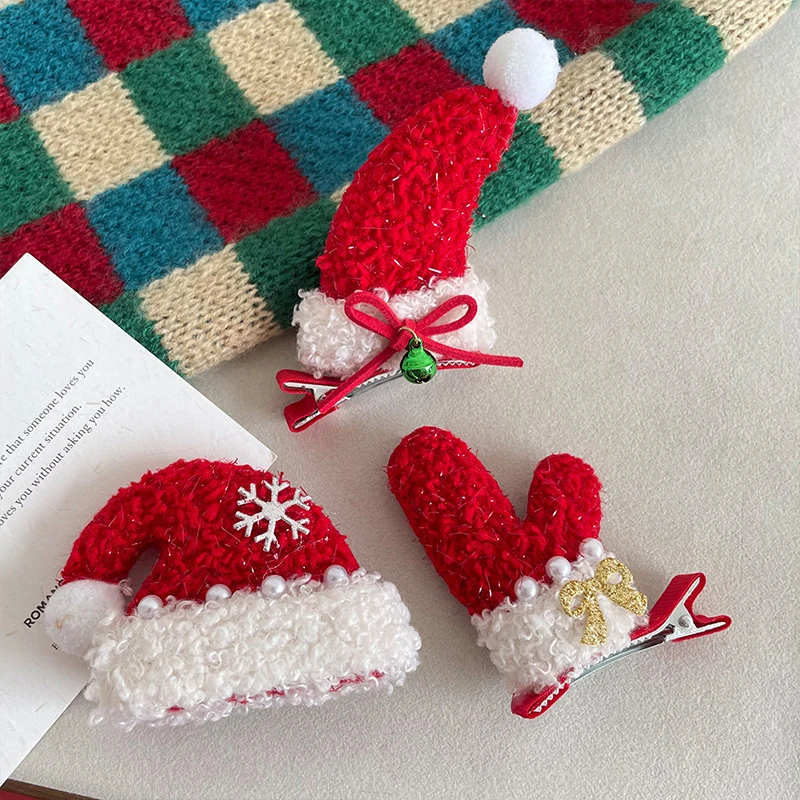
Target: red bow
400,332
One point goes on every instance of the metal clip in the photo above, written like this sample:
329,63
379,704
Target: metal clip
672,619
305,412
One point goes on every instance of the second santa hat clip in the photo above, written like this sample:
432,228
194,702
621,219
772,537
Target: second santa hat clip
397,297
255,600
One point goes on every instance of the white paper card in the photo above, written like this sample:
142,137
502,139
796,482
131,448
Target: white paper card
84,410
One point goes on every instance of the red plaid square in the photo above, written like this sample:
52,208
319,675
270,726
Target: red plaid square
65,242
581,25
8,108
244,180
397,87
123,31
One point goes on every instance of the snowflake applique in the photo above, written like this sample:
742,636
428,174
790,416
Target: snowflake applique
272,511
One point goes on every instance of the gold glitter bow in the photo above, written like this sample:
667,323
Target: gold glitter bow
621,592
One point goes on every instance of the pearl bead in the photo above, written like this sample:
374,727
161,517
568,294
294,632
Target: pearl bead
591,549
525,589
558,568
273,587
335,576
219,591
149,605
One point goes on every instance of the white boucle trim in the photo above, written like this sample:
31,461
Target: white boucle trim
328,343
74,612
535,643
206,659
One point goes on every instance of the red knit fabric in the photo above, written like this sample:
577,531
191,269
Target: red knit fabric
67,244
187,510
468,527
401,85
8,108
244,180
581,24
124,31
405,220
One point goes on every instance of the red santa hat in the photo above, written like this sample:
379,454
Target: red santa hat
402,228
547,599
255,600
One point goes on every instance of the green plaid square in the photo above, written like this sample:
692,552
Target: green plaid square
528,166
665,54
30,183
355,33
186,96
281,258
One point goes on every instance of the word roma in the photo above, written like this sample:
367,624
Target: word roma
37,612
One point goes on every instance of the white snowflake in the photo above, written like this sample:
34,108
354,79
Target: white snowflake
272,511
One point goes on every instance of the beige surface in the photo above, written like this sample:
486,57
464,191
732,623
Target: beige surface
654,297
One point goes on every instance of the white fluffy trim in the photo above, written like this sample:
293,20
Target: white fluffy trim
535,643
328,343
200,661
76,610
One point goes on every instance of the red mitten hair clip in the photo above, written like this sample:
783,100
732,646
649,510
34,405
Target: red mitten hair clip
548,601
395,287
255,600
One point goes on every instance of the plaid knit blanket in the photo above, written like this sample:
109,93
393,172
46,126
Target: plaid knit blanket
178,162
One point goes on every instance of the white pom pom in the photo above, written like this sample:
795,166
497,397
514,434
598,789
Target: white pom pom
76,609
523,66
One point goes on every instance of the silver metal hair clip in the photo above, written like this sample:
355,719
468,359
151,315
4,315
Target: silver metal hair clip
672,619
305,412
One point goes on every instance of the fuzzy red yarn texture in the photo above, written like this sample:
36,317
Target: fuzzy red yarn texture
469,528
187,511
9,110
405,220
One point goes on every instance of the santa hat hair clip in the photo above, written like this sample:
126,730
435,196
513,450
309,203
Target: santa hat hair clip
396,295
548,601
255,600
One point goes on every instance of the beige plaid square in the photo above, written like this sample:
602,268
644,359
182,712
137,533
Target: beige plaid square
431,15
207,313
272,56
98,138
591,108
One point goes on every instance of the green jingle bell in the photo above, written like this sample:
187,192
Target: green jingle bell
418,365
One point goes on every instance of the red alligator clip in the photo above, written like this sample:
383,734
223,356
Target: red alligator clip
672,619
305,412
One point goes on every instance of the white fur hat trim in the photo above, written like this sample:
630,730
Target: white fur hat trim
200,661
328,343
534,643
